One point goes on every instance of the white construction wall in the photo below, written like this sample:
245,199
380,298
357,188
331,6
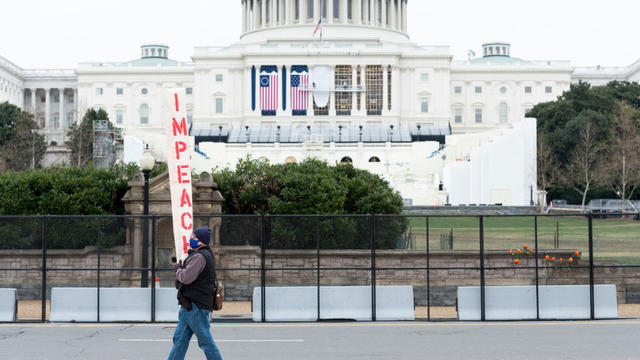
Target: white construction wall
499,169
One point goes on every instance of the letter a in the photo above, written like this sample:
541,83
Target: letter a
184,199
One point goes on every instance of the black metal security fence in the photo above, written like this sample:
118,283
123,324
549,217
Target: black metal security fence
437,255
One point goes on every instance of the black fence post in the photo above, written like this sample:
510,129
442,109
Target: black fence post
535,226
373,267
263,314
482,305
428,274
44,268
153,268
318,265
98,276
591,280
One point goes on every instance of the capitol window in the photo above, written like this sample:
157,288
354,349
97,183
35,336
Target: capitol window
457,115
218,77
379,8
119,116
424,105
349,10
527,89
346,160
144,91
374,89
119,91
336,9
478,112
98,91
219,105
144,114
343,79
296,10
503,89
70,97
374,159
189,91
70,119
457,89
424,77
503,112
56,121
548,89
478,89
189,113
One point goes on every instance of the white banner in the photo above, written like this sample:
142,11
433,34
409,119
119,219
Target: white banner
321,77
179,166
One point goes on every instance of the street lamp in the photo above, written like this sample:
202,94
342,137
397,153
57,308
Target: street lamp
146,163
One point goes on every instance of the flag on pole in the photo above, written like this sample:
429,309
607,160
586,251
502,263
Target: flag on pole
268,89
299,89
318,27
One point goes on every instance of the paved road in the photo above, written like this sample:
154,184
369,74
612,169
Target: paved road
407,340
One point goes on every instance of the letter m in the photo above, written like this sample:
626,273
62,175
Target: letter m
179,128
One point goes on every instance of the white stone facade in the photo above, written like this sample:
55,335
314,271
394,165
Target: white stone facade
379,80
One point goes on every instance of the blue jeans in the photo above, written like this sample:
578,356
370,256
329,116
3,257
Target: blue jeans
192,322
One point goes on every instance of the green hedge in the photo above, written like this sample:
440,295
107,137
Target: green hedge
309,187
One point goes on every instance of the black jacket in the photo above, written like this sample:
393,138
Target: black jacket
200,292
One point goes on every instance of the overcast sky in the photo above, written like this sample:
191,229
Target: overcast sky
61,33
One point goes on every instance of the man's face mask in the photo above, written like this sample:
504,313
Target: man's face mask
193,242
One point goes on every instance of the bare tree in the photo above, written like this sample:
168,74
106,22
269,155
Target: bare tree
622,167
583,168
548,165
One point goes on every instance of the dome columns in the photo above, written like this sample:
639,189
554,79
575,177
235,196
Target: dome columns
261,14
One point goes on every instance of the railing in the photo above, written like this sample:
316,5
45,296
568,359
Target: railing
436,254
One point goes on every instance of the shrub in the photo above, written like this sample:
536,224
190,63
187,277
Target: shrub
309,187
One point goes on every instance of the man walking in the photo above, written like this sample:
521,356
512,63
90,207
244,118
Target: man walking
195,282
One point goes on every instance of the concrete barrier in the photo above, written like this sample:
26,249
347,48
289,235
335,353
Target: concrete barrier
519,302
116,304
7,304
300,303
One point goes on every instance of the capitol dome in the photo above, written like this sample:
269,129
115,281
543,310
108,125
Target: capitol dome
341,19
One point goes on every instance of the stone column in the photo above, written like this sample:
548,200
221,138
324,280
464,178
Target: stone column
392,16
404,15
358,13
47,109
244,16
399,15
384,89
329,11
61,108
354,79
33,103
343,11
374,11
316,11
384,13
274,12
302,6
263,13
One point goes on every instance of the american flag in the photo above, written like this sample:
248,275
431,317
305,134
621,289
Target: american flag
268,90
299,98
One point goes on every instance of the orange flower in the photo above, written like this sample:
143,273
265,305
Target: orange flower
560,259
553,258
530,250
570,259
518,251
546,257
517,261
511,251
526,246
577,253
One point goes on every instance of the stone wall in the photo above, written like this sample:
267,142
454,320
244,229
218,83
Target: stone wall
29,281
449,269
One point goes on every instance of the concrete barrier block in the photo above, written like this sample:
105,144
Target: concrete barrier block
289,303
116,304
74,304
7,304
519,302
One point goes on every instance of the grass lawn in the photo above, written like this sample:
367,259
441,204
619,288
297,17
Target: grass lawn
614,239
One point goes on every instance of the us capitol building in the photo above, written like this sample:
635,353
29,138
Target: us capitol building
357,90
